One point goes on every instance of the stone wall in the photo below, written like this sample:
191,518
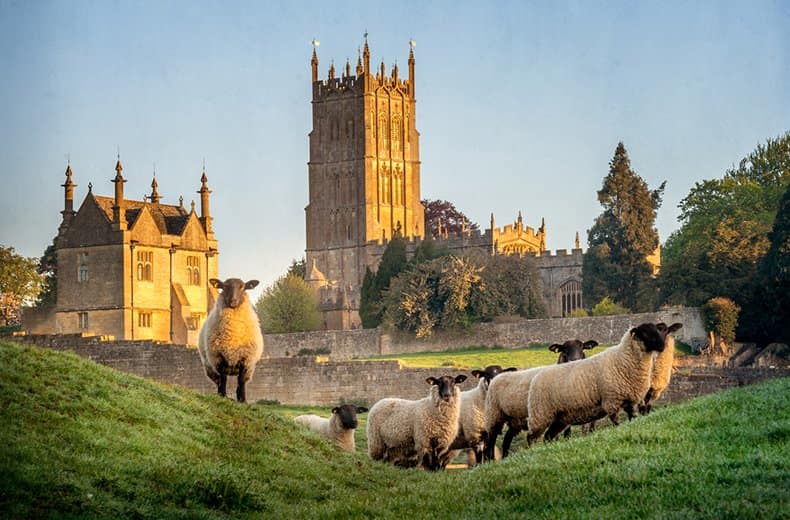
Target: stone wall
305,381
607,330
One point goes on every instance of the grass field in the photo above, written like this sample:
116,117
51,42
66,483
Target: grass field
82,440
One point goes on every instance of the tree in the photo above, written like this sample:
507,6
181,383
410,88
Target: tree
298,268
20,283
510,286
721,319
607,307
288,305
48,269
443,213
770,306
622,237
724,234
393,261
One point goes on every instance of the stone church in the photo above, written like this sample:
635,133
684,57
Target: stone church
132,269
364,187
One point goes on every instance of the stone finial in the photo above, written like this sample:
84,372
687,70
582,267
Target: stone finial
360,70
576,242
332,71
154,197
348,69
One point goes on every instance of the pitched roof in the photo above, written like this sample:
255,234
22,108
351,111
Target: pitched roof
171,220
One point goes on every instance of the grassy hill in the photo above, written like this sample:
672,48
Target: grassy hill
79,439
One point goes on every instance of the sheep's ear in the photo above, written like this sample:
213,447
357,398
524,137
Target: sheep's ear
217,284
432,381
361,409
589,344
555,347
460,378
478,373
633,331
674,327
252,284
336,409
511,369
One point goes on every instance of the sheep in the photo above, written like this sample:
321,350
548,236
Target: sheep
506,403
589,389
662,367
410,433
472,421
230,342
572,350
339,428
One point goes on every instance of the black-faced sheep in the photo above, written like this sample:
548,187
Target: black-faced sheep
339,428
573,350
471,427
506,403
410,433
662,367
230,342
596,387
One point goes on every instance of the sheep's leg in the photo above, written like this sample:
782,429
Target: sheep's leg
241,395
629,410
512,431
554,430
222,369
567,432
615,418
490,440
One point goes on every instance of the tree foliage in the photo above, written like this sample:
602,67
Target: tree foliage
724,234
393,261
298,268
721,318
48,269
511,287
622,237
369,301
20,283
444,213
607,307
288,305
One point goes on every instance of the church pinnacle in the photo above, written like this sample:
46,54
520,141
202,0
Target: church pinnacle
118,211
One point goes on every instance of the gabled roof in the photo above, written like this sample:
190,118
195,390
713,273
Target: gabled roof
171,220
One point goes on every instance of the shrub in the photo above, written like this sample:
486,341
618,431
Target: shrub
607,307
579,313
721,318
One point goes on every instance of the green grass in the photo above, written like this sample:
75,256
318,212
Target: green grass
81,440
480,357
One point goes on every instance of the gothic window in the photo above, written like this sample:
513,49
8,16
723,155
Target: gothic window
82,272
193,270
396,132
571,295
194,320
145,266
144,320
383,133
83,320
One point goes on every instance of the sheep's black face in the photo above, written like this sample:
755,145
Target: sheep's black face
233,290
666,331
348,415
446,385
572,350
491,371
650,336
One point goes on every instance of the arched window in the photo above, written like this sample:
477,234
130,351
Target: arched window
383,133
82,272
571,295
396,130
145,269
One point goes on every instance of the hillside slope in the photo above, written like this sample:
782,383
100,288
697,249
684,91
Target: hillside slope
77,438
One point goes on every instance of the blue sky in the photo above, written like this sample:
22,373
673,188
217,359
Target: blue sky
520,105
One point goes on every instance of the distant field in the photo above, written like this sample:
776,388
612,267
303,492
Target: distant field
80,440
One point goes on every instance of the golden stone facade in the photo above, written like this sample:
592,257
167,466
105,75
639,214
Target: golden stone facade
134,269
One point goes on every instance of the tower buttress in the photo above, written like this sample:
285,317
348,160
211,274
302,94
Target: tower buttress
118,210
411,66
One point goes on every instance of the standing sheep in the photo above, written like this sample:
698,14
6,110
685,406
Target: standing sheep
596,387
230,341
410,433
572,350
662,367
339,428
506,403
471,425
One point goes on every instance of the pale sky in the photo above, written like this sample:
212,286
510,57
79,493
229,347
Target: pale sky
520,105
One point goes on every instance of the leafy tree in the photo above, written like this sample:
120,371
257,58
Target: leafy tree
288,305
48,269
393,261
510,286
724,233
770,307
19,283
444,213
427,250
622,237
298,268
607,307
721,319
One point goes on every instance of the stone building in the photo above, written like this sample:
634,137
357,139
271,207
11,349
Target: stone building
132,269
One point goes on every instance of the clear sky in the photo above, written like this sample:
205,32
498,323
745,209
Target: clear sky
520,105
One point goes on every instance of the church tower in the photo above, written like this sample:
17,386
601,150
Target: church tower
364,169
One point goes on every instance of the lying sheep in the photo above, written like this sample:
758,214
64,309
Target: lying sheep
662,367
471,426
339,428
596,387
506,403
572,350
230,342
410,433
